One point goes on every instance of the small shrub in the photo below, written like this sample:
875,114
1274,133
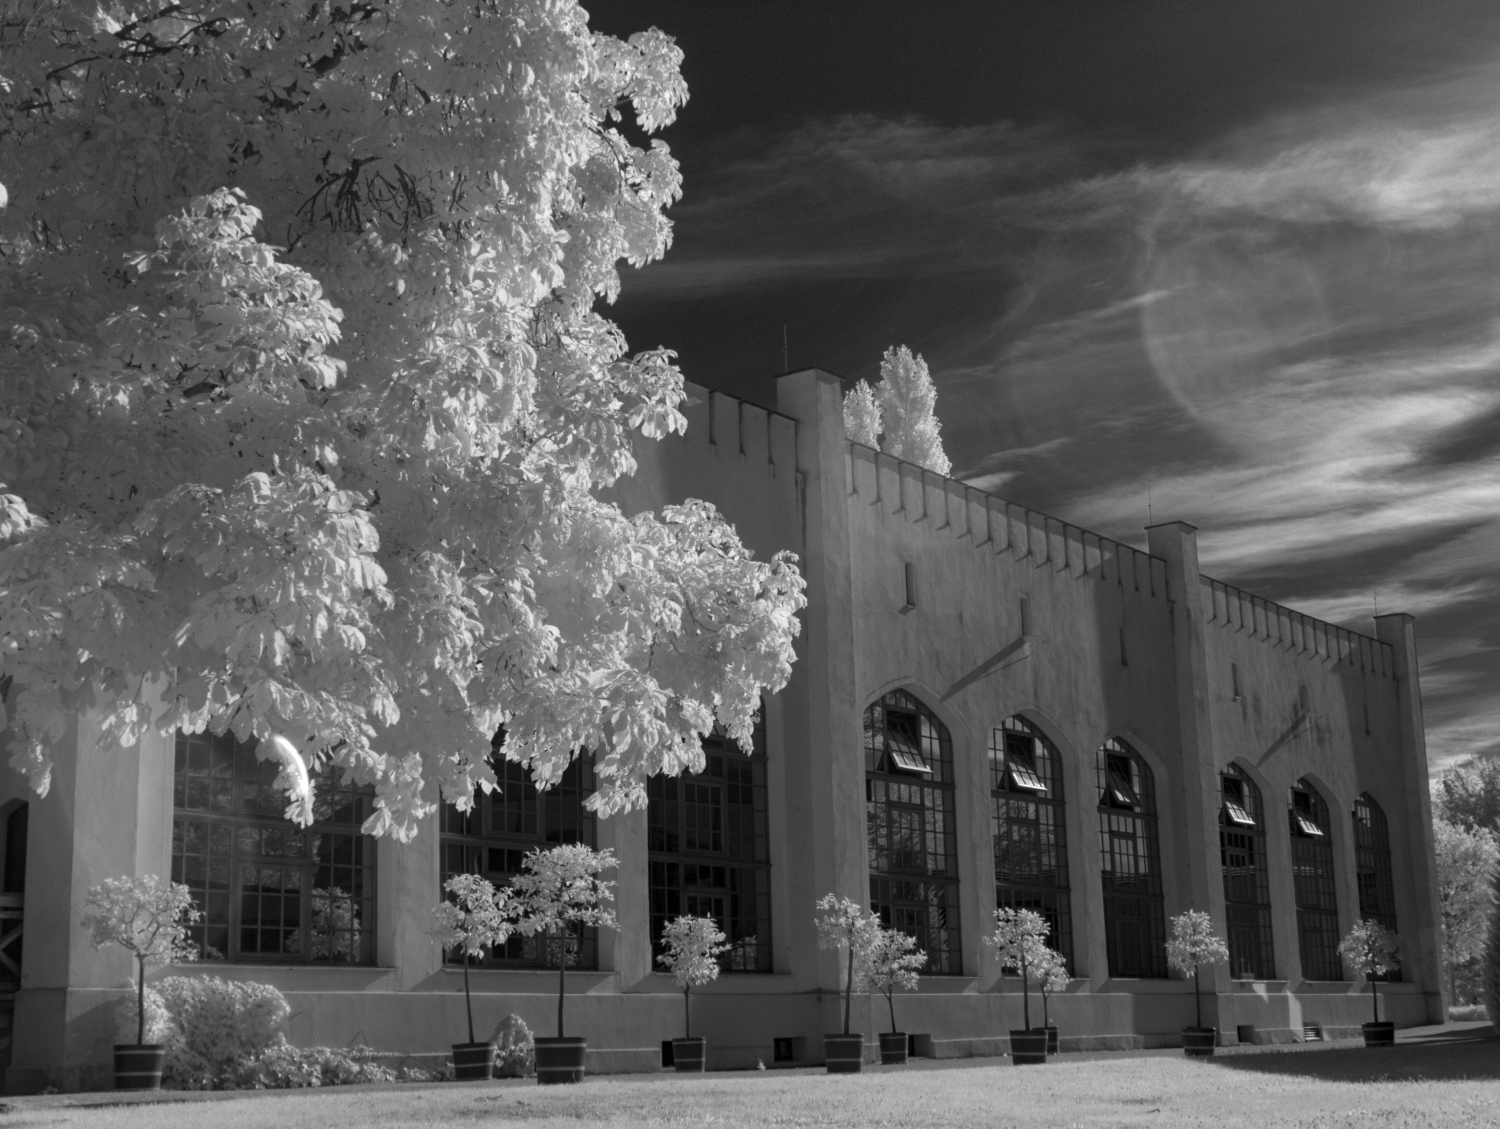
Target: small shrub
285,1067
514,1048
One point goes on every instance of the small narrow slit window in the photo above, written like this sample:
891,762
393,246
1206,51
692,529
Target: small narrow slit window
1234,680
909,574
1124,655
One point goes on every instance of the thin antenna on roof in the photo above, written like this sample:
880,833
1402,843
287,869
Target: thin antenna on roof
1149,519
1375,591
784,365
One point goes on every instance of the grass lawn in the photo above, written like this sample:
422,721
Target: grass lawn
1442,1081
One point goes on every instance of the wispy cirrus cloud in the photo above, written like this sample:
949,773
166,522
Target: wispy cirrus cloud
1291,339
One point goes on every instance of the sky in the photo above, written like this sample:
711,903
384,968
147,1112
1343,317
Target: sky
1236,264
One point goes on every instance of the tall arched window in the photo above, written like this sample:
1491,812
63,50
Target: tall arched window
1031,847
1372,861
1135,934
268,889
1312,874
1247,895
494,835
909,819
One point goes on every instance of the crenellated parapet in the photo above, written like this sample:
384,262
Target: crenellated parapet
1245,613
954,509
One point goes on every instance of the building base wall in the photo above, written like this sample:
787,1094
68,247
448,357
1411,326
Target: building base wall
67,1037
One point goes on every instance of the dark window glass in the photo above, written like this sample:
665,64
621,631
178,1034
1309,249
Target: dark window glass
708,856
1030,837
11,901
1247,893
1134,931
1372,854
909,820
1312,875
495,834
268,889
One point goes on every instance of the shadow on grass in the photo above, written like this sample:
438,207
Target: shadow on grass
1473,1055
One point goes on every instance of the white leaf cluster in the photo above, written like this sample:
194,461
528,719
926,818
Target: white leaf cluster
1051,971
892,961
319,454
1019,939
898,414
477,916
145,916
1194,943
561,888
844,924
1370,948
693,946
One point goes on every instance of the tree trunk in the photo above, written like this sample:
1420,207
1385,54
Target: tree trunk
687,1015
1046,1018
140,1001
468,1000
1375,999
890,998
562,980
1025,992
849,987
1197,999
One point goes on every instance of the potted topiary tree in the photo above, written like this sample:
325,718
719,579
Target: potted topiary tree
1372,950
693,947
892,962
558,893
1052,976
474,918
1193,945
844,924
148,918
1019,939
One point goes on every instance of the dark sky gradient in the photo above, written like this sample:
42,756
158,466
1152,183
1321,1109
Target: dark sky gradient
1239,258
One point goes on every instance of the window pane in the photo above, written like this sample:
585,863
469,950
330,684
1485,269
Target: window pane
270,890
1130,861
909,822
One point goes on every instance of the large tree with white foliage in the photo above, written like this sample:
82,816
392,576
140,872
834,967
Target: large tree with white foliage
305,398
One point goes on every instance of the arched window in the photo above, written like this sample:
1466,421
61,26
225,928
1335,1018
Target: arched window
1312,875
708,851
494,835
909,819
1372,861
1135,934
268,889
1247,896
1031,847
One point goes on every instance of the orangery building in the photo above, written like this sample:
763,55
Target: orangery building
989,708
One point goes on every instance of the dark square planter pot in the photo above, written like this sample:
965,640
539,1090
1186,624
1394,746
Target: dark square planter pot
1028,1048
690,1056
893,1048
559,1060
1198,1042
844,1054
473,1061
1381,1034
138,1067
